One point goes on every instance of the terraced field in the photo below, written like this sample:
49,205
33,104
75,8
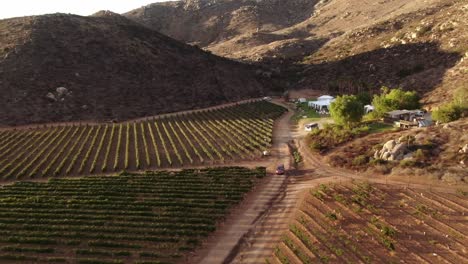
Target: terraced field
363,223
148,218
200,138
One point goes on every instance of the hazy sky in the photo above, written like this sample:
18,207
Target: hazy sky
16,8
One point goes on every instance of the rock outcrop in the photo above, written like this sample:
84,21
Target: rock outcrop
394,150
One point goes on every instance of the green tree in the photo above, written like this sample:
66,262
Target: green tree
347,110
393,99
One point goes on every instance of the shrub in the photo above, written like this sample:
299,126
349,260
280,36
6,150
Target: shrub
447,113
408,163
333,135
360,160
419,154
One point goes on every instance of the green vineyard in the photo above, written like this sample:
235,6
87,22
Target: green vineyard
207,137
133,218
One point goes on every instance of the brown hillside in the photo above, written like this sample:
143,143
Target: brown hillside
207,22
334,45
111,67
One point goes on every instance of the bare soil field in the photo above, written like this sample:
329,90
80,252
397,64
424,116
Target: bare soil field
358,222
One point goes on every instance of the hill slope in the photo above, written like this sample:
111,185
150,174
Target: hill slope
333,45
109,68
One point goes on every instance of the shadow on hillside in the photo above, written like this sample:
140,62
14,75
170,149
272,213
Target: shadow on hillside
420,67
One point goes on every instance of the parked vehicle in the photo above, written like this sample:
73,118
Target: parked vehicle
280,170
309,127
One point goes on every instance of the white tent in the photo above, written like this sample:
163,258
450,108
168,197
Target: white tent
325,97
321,104
302,100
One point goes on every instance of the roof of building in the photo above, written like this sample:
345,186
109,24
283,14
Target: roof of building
402,112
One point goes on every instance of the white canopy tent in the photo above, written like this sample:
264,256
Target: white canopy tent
321,104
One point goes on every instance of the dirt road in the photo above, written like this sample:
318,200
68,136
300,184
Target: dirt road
223,245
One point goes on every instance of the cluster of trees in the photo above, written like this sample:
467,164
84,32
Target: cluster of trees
348,110
455,109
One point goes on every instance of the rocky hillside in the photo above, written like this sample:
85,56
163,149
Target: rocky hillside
211,22
334,45
60,67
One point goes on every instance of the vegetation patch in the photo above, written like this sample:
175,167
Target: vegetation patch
332,135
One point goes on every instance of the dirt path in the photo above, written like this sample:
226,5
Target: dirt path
223,245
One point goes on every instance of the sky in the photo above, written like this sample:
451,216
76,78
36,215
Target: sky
16,8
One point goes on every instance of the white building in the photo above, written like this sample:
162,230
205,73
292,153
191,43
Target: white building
322,103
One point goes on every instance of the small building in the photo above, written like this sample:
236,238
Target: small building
407,118
407,115
302,100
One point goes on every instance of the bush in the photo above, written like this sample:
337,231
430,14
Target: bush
333,135
317,146
447,113
419,155
360,160
408,163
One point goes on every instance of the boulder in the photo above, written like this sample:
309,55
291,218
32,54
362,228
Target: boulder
399,156
389,145
386,155
51,96
408,156
377,154
464,149
399,149
61,91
